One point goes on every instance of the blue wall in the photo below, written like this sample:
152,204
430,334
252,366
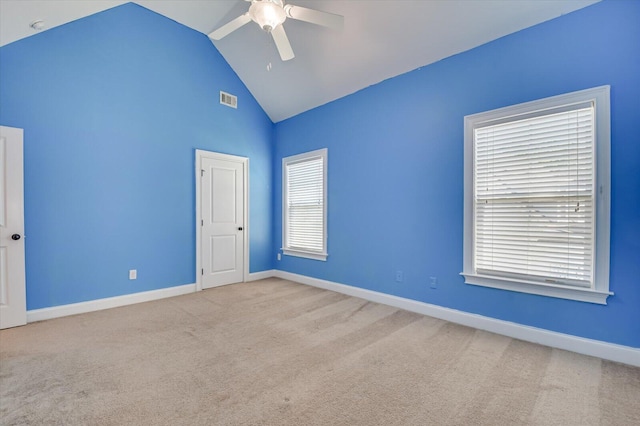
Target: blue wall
395,174
113,107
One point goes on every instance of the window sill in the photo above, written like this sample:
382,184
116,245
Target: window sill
549,290
305,254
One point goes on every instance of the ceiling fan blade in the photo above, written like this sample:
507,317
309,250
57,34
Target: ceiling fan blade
230,27
282,43
317,17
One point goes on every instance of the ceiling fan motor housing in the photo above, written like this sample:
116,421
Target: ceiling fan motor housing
268,14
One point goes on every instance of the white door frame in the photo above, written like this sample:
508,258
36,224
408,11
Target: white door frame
200,154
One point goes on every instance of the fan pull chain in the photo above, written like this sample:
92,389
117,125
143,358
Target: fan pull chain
267,50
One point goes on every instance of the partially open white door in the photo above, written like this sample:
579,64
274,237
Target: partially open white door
222,199
13,307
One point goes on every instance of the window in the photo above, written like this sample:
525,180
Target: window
536,203
304,212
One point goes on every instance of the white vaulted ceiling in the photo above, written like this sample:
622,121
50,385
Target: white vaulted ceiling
381,39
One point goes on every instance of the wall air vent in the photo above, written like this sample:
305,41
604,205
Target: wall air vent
228,99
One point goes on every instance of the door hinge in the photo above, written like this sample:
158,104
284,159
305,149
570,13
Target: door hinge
202,272
202,222
201,172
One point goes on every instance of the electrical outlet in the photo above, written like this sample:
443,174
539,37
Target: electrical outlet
399,276
133,274
433,282
279,256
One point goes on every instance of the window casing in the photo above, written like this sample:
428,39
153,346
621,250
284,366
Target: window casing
304,205
536,202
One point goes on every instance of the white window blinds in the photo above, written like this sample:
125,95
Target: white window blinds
305,203
534,197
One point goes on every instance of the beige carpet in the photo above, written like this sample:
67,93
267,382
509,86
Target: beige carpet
274,352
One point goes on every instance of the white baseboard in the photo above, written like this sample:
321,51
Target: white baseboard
109,302
127,299
596,348
255,276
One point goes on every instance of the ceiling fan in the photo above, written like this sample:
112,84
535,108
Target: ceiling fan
270,15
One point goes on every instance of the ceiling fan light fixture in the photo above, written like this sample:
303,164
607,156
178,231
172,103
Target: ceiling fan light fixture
270,14
267,14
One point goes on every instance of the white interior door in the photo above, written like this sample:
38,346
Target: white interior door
222,213
13,307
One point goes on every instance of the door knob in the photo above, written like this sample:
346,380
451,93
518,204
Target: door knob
239,228
15,237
